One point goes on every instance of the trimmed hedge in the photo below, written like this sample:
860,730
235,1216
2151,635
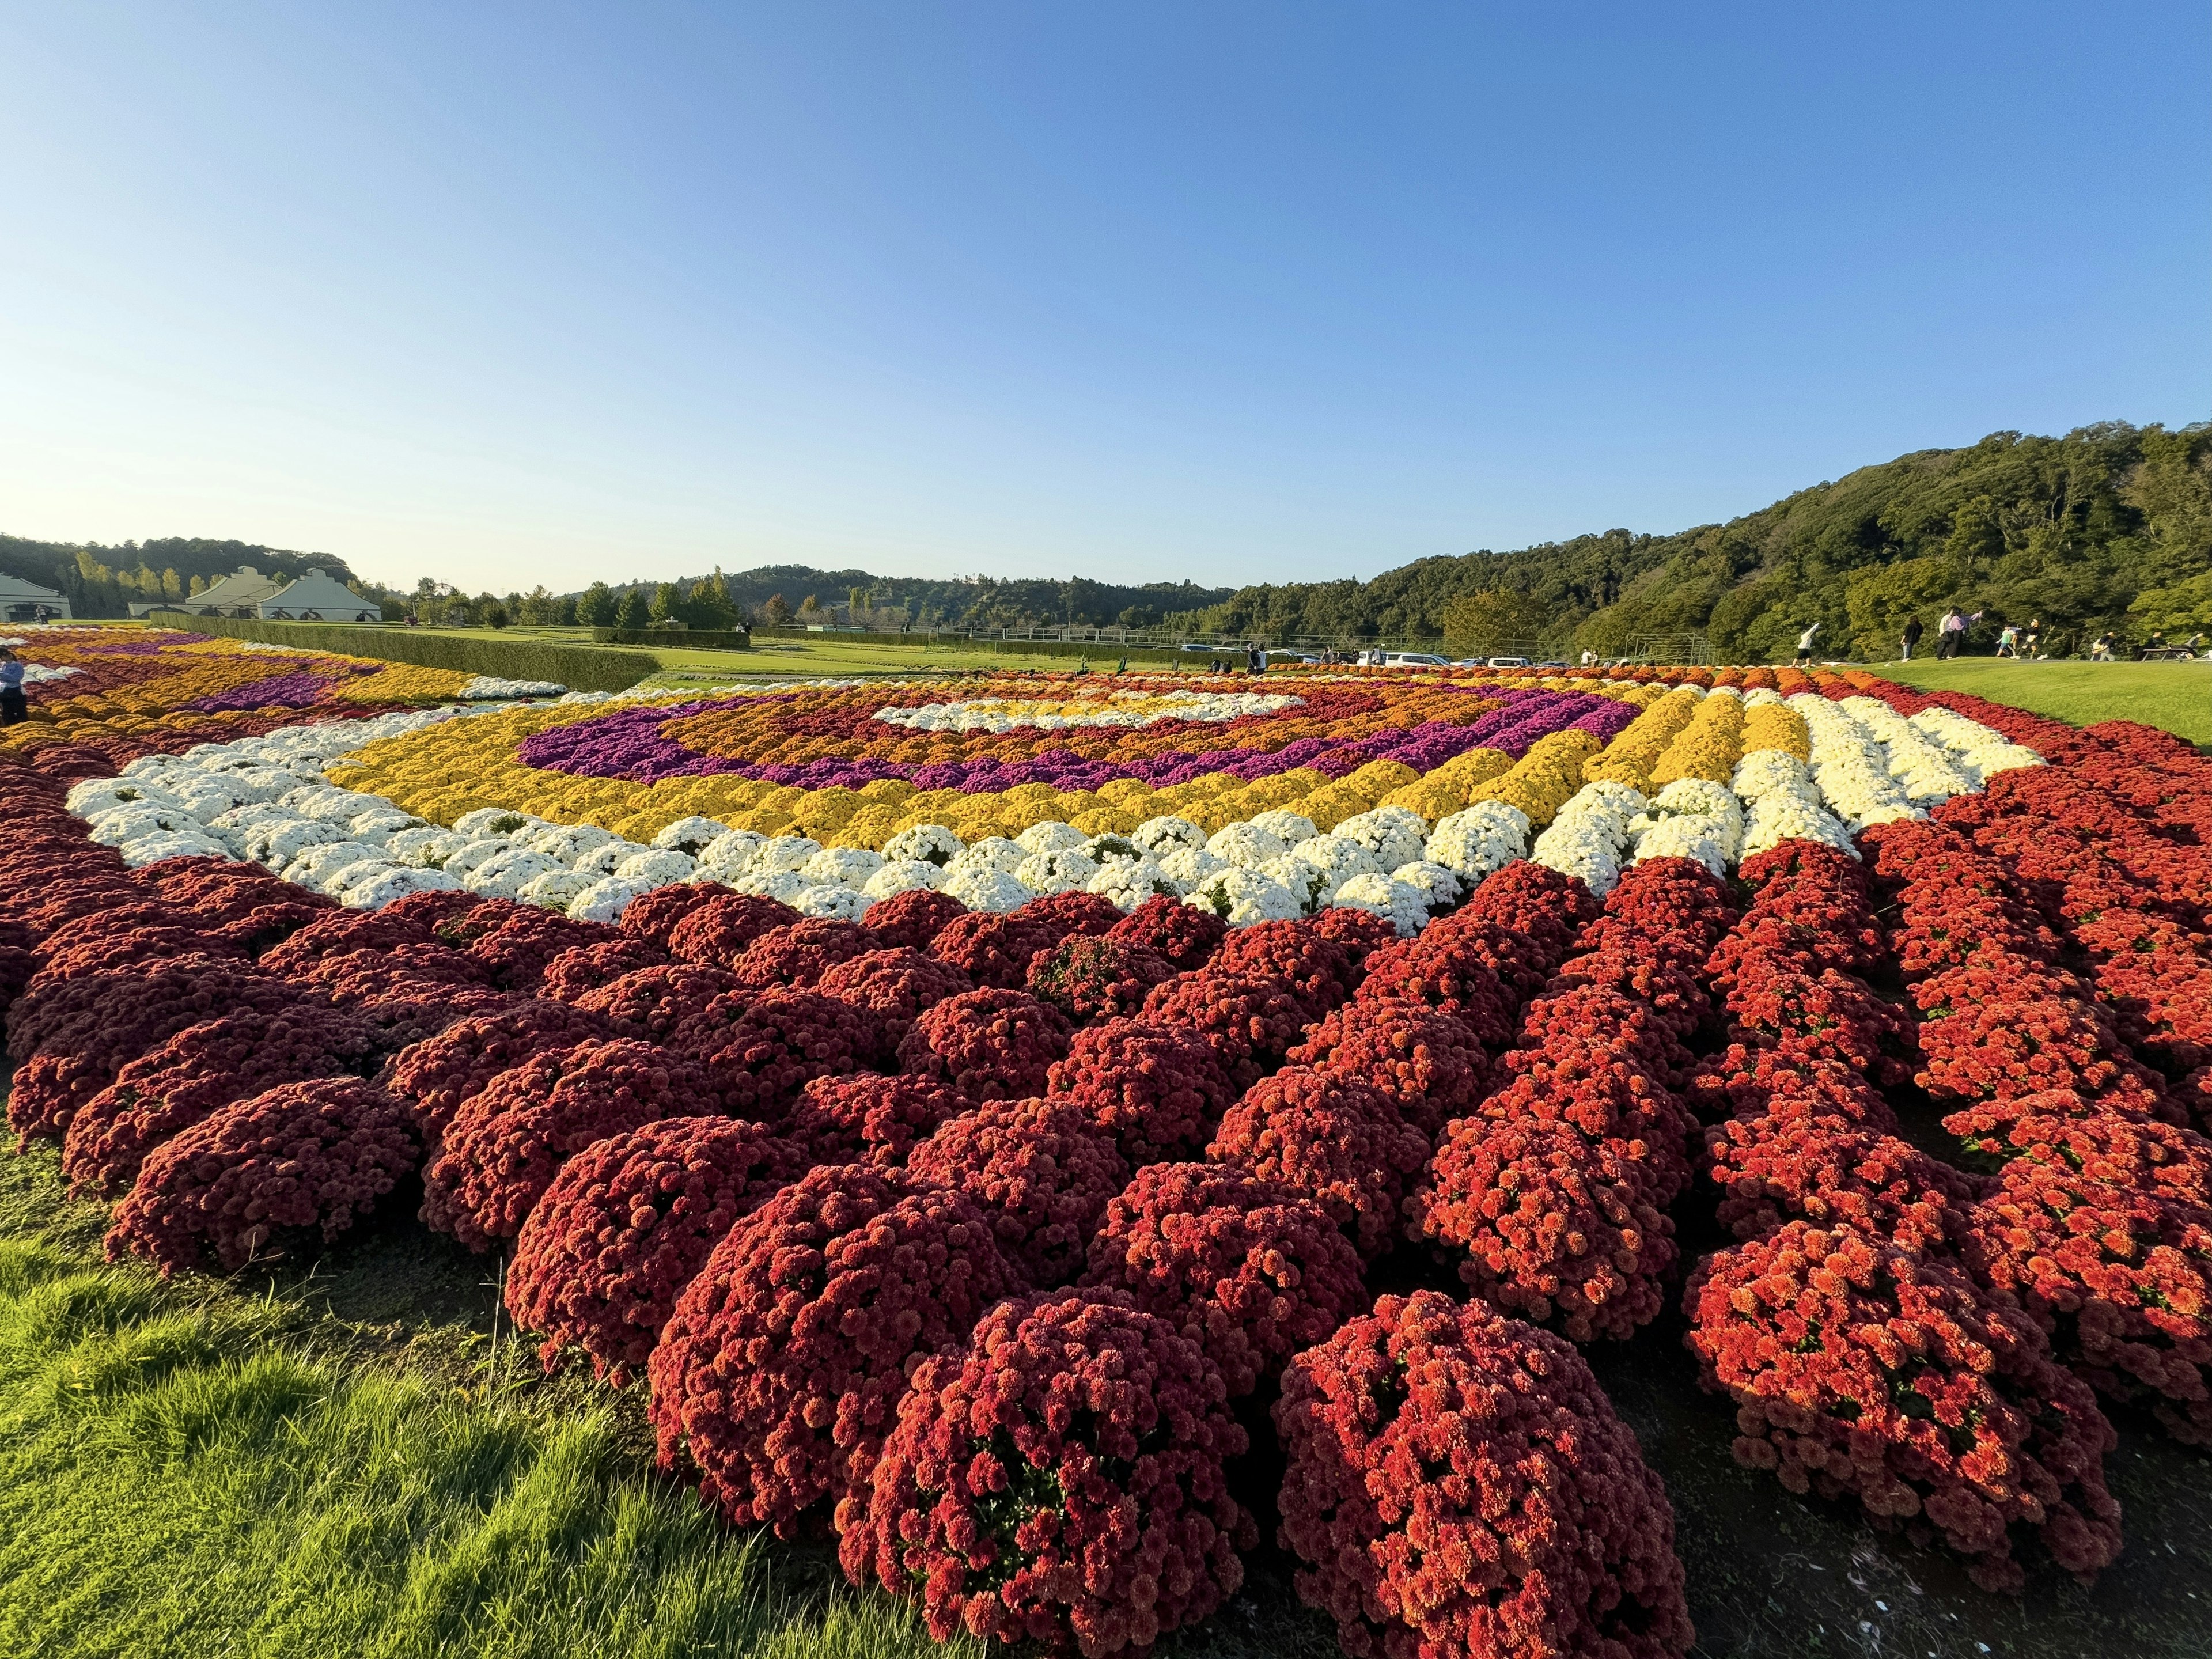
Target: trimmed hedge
677,639
578,667
921,639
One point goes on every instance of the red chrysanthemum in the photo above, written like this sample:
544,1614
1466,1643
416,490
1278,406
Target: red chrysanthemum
1091,977
1337,1142
722,926
1186,935
1041,1169
988,1044
897,986
912,920
864,1118
1159,1090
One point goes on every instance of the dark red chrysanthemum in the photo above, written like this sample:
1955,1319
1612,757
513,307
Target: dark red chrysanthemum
1156,1090
988,1044
1041,1169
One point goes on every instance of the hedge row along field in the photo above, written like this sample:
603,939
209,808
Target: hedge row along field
584,668
972,1114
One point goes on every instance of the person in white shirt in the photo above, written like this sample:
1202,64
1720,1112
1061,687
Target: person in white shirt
1805,643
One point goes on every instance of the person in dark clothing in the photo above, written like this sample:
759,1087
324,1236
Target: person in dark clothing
1910,637
14,707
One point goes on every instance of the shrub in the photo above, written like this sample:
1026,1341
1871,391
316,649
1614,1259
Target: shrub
627,1224
1750,1083
1042,1170
1601,1097
1337,1142
987,1044
759,1051
406,1001
1091,977
912,920
436,1078
519,949
1249,1022
1186,935
576,974
340,932
1459,1485
2120,1281
993,951
1453,974
780,1370
1156,1090
2133,1154
654,1001
1316,967
196,1072
504,1146
1361,933
433,910
317,1154
1056,916
723,926
578,667
796,955
896,986
1060,1482
1250,1270
1833,1173
655,916
865,1119
1428,1062
1861,1368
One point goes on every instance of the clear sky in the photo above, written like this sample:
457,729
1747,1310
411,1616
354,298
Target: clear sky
509,294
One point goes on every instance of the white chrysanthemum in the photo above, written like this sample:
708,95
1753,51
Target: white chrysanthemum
1162,836
1049,836
1605,797
492,821
484,687
381,823
341,806
1441,890
655,867
466,858
1689,836
337,883
842,866
1102,850
1057,871
1403,906
1291,828
1392,834
906,876
1338,859
1246,844
555,889
1761,697
984,887
505,874
783,853
275,842
194,843
118,824
923,843
315,863
1586,850
605,900
832,901
104,794
1309,884
426,848
1130,882
1779,815
207,799
690,836
1769,772
782,885
1241,895
1484,838
564,843
1189,867
991,854
375,891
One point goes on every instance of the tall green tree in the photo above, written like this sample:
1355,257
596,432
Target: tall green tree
597,606
633,611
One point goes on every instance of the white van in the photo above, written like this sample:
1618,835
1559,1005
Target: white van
1415,660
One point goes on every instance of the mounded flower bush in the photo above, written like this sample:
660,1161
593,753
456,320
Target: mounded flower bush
654,1001
195,1073
305,1155
993,951
2133,1154
897,986
1250,1024
1042,1170
1428,1061
1186,935
1156,1089
1862,1369
1460,1486
1553,1228
1337,1142
436,1078
912,920
1361,933
1056,916
760,1050
1091,977
865,1118
504,1145
1833,1173
656,916
796,955
721,927
1453,974
576,974
779,1373
627,1224
523,946
1249,1269
988,1044
1058,1482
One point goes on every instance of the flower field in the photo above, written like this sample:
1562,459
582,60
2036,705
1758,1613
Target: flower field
1057,1140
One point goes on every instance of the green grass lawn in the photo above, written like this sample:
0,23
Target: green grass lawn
2176,696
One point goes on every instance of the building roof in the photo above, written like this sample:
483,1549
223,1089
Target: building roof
328,598
244,586
16,590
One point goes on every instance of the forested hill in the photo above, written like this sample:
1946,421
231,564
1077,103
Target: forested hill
971,601
100,580
2109,526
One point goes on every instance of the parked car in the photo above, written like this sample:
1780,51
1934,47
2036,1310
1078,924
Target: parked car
1509,662
1415,660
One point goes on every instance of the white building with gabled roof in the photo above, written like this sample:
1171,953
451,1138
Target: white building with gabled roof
238,594
318,598
24,601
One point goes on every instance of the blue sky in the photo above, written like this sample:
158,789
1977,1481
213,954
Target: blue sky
506,294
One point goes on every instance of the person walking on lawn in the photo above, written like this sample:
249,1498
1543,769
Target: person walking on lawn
1910,637
1805,643
1952,632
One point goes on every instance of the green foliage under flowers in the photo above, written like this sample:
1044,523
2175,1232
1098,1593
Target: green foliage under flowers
581,668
